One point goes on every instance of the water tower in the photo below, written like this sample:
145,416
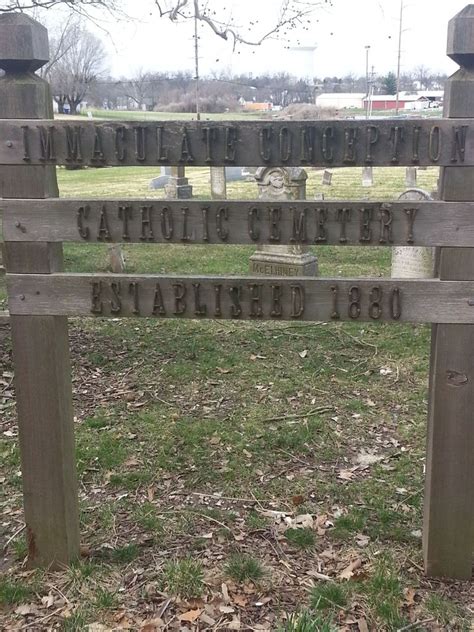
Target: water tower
303,62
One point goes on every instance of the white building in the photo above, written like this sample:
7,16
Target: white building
341,100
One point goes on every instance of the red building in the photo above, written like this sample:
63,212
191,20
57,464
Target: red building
385,102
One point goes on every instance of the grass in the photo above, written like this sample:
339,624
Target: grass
13,592
308,622
184,578
243,568
301,538
329,596
189,434
125,554
166,116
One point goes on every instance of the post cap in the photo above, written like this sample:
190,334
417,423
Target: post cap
24,43
461,37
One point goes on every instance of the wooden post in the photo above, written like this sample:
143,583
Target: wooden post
449,496
40,344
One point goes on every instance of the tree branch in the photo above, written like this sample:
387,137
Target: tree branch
292,12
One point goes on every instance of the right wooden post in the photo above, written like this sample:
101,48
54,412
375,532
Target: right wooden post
449,494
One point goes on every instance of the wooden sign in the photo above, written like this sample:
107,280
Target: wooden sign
242,298
240,222
337,143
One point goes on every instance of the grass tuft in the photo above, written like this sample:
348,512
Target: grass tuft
327,596
184,578
13,592
105,599
308,622
242,568
301,538
125,554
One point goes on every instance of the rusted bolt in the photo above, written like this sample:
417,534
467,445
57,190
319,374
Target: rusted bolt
471,302
9,143
22,297
20,226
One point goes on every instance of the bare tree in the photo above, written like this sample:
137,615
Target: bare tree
137,89
61,39
290,15
78,68
83,7
423,75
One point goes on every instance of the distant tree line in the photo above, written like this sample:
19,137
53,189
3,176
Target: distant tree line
78,73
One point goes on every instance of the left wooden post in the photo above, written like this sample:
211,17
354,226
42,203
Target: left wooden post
40,344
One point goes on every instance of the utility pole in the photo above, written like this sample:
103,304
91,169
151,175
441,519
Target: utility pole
399,56
367,80
196,62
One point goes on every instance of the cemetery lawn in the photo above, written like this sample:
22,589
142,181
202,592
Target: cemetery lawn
253,476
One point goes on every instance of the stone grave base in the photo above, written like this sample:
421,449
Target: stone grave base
285,264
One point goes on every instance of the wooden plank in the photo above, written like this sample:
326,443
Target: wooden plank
40,343
242,298
341,223
338,143
448,536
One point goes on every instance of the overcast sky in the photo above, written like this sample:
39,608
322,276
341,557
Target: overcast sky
340,33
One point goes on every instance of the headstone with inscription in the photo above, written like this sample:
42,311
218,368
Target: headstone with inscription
327,177
280,184
218,183
178,187
367,177
410,177
409,262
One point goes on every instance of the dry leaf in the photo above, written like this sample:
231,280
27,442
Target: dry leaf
349,572
240,600
363,627
346,475
226,609
366,458
207,620
298,500
303,354
191,616
225,593
410,594
362,540
48,601
26,609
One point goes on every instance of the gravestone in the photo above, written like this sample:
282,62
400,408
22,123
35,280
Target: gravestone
218,183
327,177
280,184
116,259
162,180
178,187
409,262
410,177
367,177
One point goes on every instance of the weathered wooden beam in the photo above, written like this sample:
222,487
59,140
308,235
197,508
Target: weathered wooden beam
40,343
338,143
4,318
416,301
341,223
448,537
